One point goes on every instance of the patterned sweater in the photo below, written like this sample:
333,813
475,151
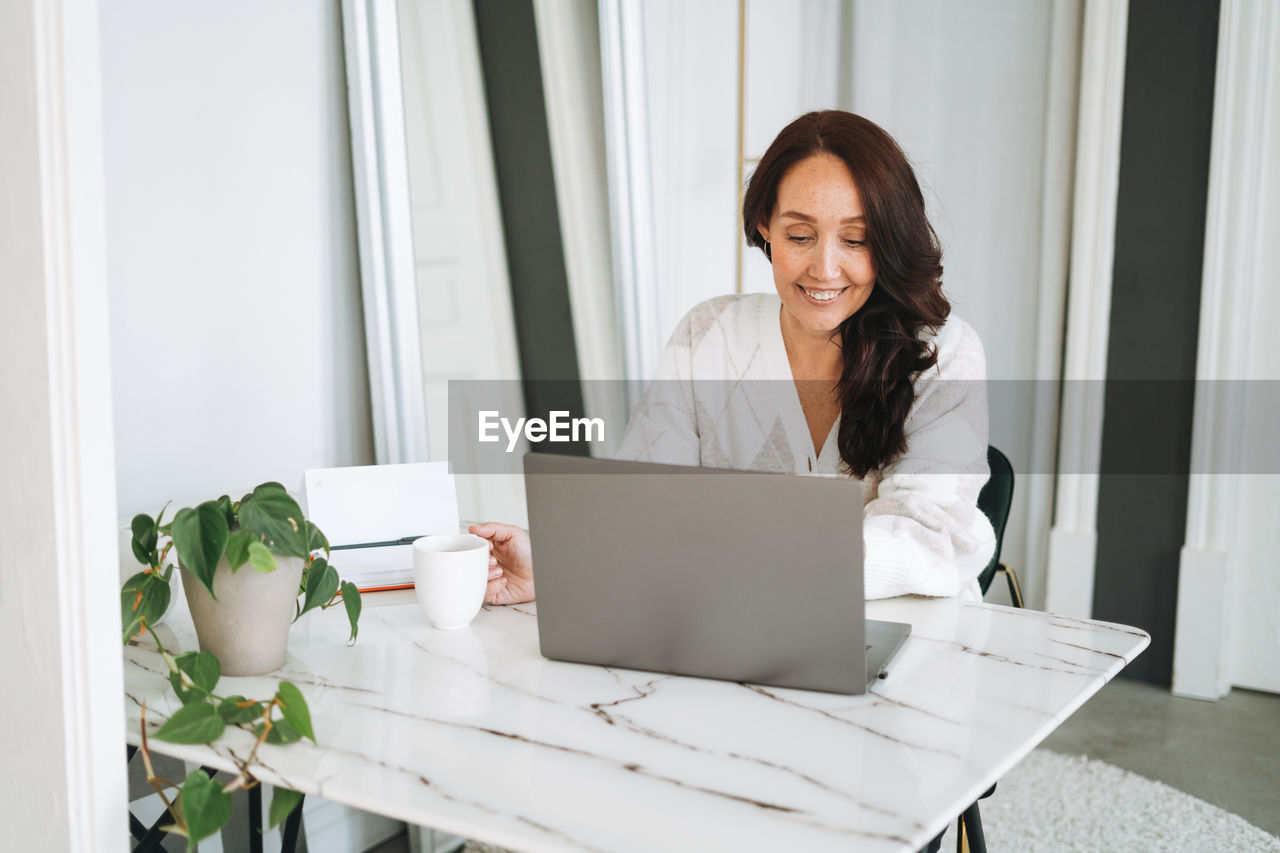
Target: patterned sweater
724,397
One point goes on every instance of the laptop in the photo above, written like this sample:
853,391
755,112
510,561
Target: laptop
736,575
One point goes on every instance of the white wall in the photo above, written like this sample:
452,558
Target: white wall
237,343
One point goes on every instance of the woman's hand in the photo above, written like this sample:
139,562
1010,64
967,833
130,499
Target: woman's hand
510,562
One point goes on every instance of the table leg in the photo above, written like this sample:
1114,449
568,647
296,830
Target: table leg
289,840
255,819
971,835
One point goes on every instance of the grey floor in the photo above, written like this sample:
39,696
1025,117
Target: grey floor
1225,752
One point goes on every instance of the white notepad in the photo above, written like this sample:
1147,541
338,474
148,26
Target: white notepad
371,514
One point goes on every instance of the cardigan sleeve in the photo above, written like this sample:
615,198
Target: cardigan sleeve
923,533
663,427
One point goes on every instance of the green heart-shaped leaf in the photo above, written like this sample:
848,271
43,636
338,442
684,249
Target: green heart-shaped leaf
224,504
352,602
195,723
260,558
200,535
271,513
238,547
202,670
235,710
316,540
130,614
281,733
205,806
143,600
322,584
295,710
283,802
144,531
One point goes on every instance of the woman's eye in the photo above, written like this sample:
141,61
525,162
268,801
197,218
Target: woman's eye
797,238
855,243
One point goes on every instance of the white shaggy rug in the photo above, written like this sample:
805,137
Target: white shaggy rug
1053,803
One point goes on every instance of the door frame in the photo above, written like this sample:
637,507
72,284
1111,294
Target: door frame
58,536
1073,539
384,225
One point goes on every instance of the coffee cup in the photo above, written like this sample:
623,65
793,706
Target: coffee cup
450,572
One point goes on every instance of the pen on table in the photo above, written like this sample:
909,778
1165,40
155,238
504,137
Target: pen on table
390,543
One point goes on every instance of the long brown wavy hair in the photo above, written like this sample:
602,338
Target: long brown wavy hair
882,350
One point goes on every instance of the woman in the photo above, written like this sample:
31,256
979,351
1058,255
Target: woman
887,386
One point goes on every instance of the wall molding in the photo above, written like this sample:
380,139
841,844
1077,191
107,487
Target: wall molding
1061,117
81,439
380,168
59,583
1248,51
626,122
1073,537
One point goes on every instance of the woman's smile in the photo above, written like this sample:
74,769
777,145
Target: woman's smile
822,297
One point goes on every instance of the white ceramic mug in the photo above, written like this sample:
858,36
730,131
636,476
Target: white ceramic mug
450,572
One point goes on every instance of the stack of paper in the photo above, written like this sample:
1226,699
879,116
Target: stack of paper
371,514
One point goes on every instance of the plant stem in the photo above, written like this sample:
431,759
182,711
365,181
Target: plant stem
154,780
246,779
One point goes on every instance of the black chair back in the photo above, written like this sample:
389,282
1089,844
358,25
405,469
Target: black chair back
994,500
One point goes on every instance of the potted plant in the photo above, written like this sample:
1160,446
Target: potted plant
250,569
241,617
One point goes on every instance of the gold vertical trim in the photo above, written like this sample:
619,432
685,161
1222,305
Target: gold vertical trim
742,162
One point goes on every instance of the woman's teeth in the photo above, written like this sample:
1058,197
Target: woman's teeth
822,295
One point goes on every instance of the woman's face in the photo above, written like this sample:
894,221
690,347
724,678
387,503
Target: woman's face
821,262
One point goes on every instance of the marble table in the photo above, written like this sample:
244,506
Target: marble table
474,733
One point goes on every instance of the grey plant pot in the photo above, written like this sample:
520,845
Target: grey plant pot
247,627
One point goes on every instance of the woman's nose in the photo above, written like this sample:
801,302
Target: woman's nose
825,265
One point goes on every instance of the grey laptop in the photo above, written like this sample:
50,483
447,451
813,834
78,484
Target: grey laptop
736,575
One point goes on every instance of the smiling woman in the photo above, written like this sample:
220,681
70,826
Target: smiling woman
859,272
887,387
854,368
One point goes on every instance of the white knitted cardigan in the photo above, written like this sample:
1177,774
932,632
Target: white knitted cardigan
724,397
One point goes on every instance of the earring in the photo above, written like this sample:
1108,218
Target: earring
768,252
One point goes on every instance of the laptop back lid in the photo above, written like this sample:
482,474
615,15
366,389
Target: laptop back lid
709,572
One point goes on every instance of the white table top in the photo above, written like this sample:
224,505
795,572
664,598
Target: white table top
474,733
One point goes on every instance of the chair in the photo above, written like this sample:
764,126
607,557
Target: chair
994,500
